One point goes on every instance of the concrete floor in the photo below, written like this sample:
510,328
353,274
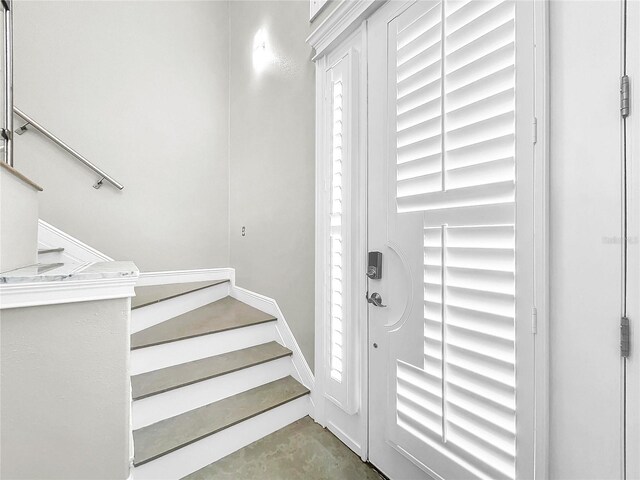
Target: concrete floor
302,450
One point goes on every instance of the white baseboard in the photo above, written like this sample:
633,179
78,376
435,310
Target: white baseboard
182,351
301,372
185,276
145,317
159,407
75,251
188,459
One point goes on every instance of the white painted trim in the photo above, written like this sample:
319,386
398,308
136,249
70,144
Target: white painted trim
341,22
186,276
541,240
321,259
75,251
315,7
350,425
17,295
301,370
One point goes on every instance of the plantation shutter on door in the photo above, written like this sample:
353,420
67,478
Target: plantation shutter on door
341,101
455,145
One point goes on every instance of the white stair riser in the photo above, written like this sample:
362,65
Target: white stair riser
182,351
158,407
145,317
199,454
51,257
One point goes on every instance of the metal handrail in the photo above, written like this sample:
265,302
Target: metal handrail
30,121
7,130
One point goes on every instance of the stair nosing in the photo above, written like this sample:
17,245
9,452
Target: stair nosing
171,297
213,332
287,353
301,394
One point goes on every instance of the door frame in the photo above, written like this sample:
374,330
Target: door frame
349,20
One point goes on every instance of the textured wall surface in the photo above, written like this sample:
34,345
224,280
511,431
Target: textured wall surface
65,399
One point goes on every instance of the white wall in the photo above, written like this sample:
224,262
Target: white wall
141,89
272,160
65,399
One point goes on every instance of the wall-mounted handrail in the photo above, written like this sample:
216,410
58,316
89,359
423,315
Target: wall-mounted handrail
31,122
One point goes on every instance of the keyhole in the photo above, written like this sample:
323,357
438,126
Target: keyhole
244,231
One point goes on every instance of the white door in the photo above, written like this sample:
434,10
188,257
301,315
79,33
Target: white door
586,281
450,206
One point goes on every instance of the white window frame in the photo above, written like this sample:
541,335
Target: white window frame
348,20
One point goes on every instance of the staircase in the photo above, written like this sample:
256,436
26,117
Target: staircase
210,375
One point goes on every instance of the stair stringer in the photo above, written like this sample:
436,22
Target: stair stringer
75,251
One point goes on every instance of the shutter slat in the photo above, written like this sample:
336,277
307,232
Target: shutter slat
480,109
422,60
416,185
481,279
500,418
495,303
501,170
419,114
482,151
465,24
335,282
425,40
419,167
425,95
499,464
421,78
494,437
474,48
416,27
496,214
489,64
426,129
480,131
470,91
487,194
420,149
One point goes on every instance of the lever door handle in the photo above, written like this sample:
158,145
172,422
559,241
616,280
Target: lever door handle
375,299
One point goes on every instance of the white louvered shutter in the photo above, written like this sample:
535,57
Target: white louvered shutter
342,80
455,137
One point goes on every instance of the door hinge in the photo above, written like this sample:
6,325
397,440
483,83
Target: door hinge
535,130
625,337
534,320
625,96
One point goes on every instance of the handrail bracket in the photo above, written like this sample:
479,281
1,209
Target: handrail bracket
23,128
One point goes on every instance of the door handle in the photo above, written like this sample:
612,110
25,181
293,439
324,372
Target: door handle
375,299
